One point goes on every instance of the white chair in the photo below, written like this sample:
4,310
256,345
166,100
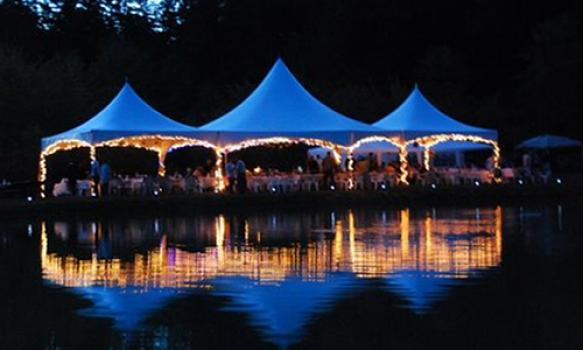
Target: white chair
84,188
61,188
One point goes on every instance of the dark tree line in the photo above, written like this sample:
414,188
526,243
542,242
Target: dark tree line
515,66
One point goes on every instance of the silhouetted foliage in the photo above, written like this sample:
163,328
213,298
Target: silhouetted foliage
514,66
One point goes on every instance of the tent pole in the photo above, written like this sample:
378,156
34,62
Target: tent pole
162,152
219,163
403,164
42,174
350,169
426,157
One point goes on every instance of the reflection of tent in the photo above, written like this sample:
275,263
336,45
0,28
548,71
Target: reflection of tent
128,307
420,288
281,107
549,141
126,121
417,117
282,309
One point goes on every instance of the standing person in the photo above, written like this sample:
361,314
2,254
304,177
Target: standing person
104,177
231,171
373,164
94,171
328,168
72,177
313,167
319,161
209,167
241,170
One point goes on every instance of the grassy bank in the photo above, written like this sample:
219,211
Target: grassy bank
212,203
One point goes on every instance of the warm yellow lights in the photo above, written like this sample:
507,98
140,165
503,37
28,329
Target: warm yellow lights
334,148
391,140
407,242
162,144
430,141
62,145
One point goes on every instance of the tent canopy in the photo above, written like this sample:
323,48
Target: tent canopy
126,115
417,117
281,106
549,141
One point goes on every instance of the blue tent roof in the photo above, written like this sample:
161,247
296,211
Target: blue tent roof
549,141
126,115
281,106
416,117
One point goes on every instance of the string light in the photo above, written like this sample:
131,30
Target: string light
333,147
392,140
430,141
160,144
62,145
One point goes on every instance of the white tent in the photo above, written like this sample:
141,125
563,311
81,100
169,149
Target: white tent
281,107
127,121
417,122
417,117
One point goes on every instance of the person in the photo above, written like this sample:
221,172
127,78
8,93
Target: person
72,177
313,167
373,164
319,160
490,163
526,160
94,174
209,167
177,183
231,176
328,168
241,170
104,177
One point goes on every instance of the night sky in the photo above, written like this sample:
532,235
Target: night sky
516,66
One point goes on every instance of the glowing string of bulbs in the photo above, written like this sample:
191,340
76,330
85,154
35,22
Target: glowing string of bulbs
394,141
430,141
162,144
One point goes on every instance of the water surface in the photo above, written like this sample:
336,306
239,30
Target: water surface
447,277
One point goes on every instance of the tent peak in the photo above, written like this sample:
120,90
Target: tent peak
281,106
417,116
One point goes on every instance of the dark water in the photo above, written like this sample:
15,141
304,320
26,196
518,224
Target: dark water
456,278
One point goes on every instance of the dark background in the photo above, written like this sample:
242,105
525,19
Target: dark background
516,66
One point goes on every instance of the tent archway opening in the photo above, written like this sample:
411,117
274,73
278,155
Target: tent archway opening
394,141
428,142
159,144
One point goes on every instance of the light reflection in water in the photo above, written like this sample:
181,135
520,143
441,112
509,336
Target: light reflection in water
279,269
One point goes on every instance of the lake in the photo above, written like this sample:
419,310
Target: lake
488,277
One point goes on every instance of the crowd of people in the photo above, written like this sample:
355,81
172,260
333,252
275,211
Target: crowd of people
320,173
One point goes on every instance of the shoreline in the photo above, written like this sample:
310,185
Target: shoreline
251,203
